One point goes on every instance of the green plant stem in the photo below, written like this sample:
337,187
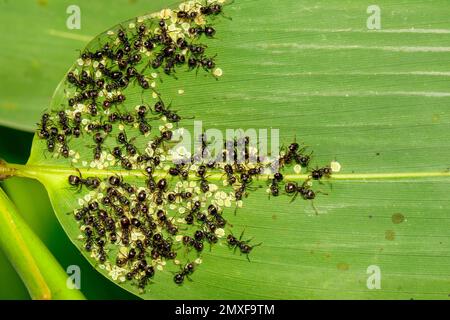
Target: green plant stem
38,172
38,269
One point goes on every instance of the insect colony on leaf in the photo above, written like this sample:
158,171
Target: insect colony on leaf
170,217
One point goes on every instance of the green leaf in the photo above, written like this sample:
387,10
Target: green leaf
374,100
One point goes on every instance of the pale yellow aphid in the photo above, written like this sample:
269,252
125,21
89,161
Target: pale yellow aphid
218,72
335,166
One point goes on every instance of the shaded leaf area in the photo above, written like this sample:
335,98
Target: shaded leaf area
38,48
376,101
32,201
37,212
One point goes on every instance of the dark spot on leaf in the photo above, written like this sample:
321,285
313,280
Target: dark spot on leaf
342,266
8,106
389,235
398,218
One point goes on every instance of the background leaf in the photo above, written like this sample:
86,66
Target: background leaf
38,48
376,101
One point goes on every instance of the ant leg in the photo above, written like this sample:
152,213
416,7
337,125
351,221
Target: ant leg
235,209
314,207
79,173
331,187
294,197
257,245
242,234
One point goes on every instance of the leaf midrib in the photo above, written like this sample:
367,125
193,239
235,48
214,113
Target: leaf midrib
38,171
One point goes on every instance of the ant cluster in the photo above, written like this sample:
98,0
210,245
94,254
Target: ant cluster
144,213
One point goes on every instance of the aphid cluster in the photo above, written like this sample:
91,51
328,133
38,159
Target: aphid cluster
163,211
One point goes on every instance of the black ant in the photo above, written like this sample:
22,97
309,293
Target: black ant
197,49
81,213
76,130
106,127
51,144
64,149
98,139
107,103
182,43
240,192
171,116
165,136
144,158
201,172
129,257
93,110
150,181
220,221
294,189
161,188
196,242
171,228
43,132
190,242
87,79
89,240
172,197
274,184
242,245
137,269
101,250
179,170
118,182
144,127
126,164
122,37
294,153
319,173
91,183
297,155
63,120
304,190
149,273
211,9
126,118
72,79
122,138
302,159
189,16
125,226
206,63
185,272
